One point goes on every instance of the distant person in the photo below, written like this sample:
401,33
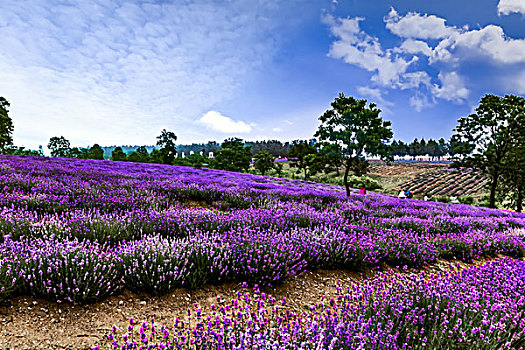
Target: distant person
362,190
426,198
408,194
401,194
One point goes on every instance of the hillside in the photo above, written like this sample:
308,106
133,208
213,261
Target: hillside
98,243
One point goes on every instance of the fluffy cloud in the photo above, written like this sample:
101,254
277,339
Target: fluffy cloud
124,70
506,7
452,87
415,25
356,47
491,42
376,95
215,121
415,47
428,41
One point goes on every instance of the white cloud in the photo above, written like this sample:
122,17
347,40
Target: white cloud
376,95
277,130
420,101
215,121
415,25
356,47
452,87
430,42
489,41
506,7
415,47
111,71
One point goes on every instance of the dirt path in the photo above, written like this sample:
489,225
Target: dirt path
31,323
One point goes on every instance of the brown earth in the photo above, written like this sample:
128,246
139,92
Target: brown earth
32,323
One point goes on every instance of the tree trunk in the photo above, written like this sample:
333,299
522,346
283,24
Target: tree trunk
347,170
305,174
519,200
493,187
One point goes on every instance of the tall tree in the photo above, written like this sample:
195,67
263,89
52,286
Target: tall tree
233,156
118,154
298,156
59,146
514,165
166,143
358,130
264,162
6,126
488,134
96,152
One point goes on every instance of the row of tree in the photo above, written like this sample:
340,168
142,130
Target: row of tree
492,140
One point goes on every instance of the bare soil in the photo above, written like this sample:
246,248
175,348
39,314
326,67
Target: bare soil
32,323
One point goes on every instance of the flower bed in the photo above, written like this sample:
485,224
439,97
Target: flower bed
80,230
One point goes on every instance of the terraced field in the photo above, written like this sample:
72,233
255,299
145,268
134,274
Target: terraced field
446,182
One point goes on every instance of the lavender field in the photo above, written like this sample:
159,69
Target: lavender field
79,231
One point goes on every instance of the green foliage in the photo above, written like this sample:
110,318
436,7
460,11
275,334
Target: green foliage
264,162
6,126
466,200
59,146
118,154
79,153
196,160
22,151
356,130
302,156
364,181
141,155
168,148
233,156
96,152
513,184
486,137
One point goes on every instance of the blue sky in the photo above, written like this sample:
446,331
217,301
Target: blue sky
118,72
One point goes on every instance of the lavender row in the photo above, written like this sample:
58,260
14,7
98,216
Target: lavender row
85,271
481,307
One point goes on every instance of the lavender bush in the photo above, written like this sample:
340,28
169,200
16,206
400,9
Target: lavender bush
79,230
481,307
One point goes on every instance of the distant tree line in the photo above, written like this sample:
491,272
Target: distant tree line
492,140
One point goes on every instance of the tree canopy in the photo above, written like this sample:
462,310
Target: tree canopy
59,146
6,126
166,143
96,152
118,154
357,131
233,155
486,137
264,162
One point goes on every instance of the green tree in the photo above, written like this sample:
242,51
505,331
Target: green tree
6,126
233,155
264,162
358,130
196,160
166,143
59,146
96,152
299,150
140,155
488,136
333,156
514,166
79,153
118,154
